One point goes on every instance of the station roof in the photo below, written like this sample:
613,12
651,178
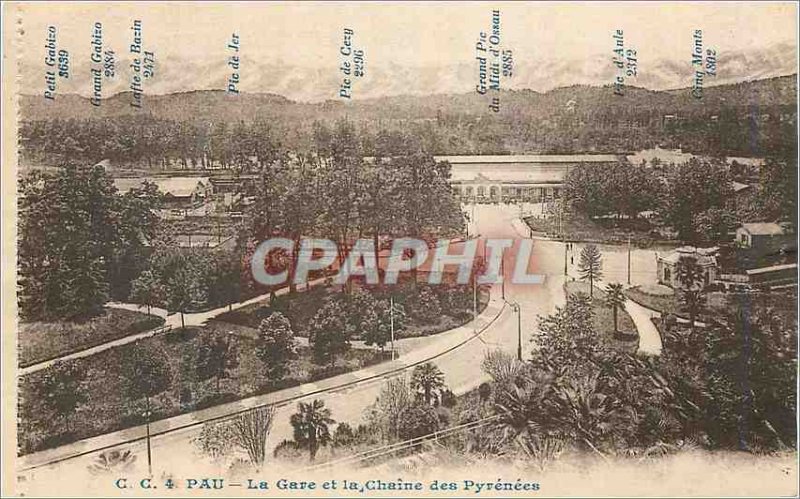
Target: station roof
529,158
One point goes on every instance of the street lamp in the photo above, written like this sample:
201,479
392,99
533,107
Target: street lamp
503,273
147,415
391,322
516,308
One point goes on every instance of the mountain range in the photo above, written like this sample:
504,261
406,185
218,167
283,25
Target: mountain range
217,105
538,72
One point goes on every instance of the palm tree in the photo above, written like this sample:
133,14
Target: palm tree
590,265
428,380
693,300
690,273
581,409
310,423
114,461
615,299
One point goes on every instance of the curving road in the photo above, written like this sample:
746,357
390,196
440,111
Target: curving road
174,453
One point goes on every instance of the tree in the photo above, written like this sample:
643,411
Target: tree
226,287
590,265
80,241
247,431
216,356
691,189
424,201
311,426
777,192
330,331
521,407
615,299
250,432
584,412
147,289
185,290
372,318
145,373
427,380
693,301
567,337
387,412
503,367
690,273
215,439
425,305
65,244
137,226
734,387
276,345
418,420
61,389
343,435
618,189
714,224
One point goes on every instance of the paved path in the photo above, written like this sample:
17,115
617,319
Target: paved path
460,360
171,320
447,342
649,337
615,267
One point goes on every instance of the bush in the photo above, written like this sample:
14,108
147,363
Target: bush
425,305
417,421
288,449
669,321
449,399
485,391
343,435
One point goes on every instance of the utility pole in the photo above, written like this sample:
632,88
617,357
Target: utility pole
629,260
563,235
391,321
519,333
474,304
503,273
474,224
147,415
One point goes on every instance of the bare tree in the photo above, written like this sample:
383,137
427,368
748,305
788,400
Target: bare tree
250,432
395,398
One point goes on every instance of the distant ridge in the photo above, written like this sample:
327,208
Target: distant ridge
215,105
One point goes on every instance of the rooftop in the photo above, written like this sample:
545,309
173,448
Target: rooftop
704,256
530,158
774,268
764,229
469,173
176,186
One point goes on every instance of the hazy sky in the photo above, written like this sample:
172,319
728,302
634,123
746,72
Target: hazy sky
406,35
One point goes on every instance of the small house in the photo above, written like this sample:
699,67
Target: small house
667,265
765,237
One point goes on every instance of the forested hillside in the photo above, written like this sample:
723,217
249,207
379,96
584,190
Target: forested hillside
755,118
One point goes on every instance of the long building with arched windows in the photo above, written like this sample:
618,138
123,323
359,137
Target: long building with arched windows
530,178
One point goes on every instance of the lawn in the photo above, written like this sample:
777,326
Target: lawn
610,231
41,341
604,319
301,307
107,408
